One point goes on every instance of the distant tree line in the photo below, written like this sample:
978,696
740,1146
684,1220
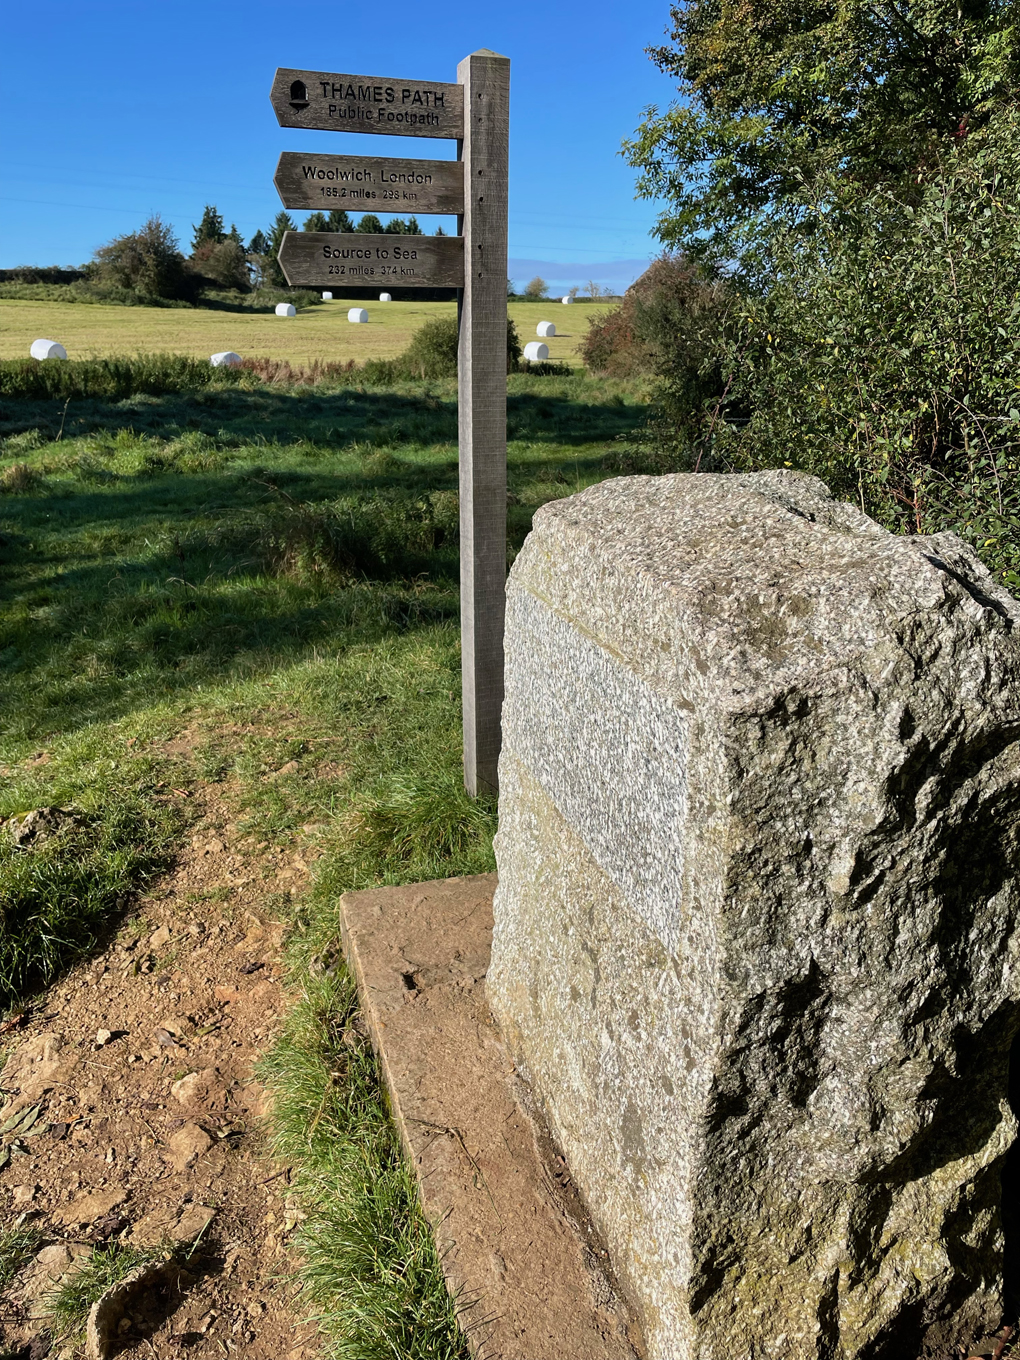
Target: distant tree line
150,263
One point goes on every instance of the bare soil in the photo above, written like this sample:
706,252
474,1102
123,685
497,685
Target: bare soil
149,1126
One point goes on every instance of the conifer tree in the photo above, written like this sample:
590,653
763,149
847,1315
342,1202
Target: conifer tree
274,274
209,231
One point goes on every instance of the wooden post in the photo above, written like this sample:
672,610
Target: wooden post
482,410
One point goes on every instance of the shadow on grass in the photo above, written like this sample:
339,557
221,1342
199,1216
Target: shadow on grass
119,588
378,416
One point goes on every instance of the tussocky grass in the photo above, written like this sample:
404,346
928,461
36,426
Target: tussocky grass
68,1305
275,570
17,1247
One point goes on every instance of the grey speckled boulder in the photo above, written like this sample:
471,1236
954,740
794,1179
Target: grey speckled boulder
756,928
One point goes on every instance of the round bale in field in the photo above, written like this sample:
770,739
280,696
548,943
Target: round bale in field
286,309
357,316
225,359
546,328
327,297
385,297
47,349
535,351
566,301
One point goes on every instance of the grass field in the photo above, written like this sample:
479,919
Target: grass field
322,332
275,572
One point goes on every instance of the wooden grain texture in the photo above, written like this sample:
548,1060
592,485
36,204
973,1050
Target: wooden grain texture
373,183
318,258
330,102
485,77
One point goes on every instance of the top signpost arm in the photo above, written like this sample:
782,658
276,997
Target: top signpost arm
328,101
485,77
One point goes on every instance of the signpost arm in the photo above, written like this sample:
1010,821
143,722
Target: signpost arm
482,411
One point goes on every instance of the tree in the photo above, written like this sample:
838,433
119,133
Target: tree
316,221
225,264
594,291
273,274
234,235
396,226
369,223
259,244
282,222
439,232
776,100
210,230
147,260
339,220
536,289
901,393
573,292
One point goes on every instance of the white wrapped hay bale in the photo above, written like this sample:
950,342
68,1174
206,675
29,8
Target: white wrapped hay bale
546,328
327,297
357,316
225,359
535,351
47,349
566,301
385,297
286,309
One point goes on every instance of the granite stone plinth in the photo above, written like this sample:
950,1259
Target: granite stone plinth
756,930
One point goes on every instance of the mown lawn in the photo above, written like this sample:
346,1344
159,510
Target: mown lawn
95,330
276,571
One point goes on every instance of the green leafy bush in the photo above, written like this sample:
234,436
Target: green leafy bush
432,352
146,261
779,104
880,352
670,324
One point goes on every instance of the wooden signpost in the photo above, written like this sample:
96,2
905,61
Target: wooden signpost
358,183
314,258
475,111
327,102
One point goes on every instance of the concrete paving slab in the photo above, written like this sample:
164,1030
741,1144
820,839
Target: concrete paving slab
520,1255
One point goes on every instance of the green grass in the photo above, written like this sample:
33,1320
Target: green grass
17,1247
67,1308
58,897
276,570
371,1271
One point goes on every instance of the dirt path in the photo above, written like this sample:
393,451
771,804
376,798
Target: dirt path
142,1114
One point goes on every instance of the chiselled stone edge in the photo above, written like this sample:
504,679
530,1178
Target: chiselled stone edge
547,1153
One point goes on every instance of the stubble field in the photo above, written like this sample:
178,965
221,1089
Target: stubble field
96,331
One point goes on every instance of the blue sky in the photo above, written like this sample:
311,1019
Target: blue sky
114,109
